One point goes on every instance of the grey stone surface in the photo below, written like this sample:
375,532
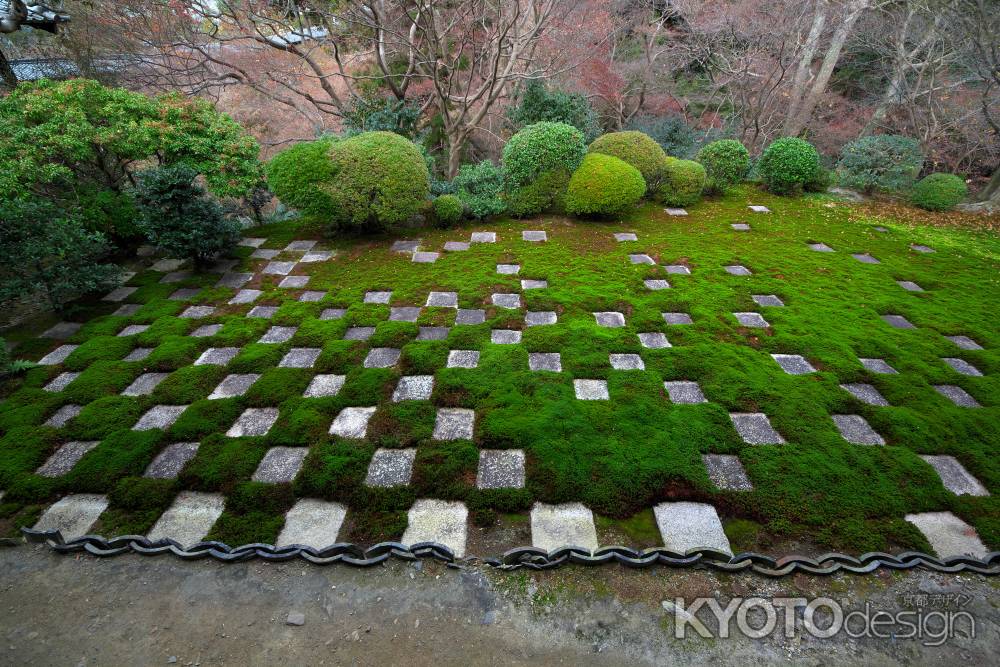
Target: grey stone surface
127,310
57,356
454,424
175,277
197,312
505,336
545,361
313,256
626,362
684,391
677,318
64,458
767,300
625,236
280,465
443,299
234,280
278,334
165,265
955,477
265,253
856,430
865,393
737,270
332,313
463,358
119,294
311,296
406,246
189,519
245,296
566,525
508,269
751,319
685,526
73,515
159,416
470,316
909,286
956,395
456,246
63,415
133,329
965,342
756,208
279,268
654,340
740,227
897,322
793,364
535,235
921,248
144,384
609,319
641,258
500,469
377,297
61,381
591,390
359,333
234,385
534,284
534,318
433,333
381,357
313,523
169,462
263,312
656,284
294,282
251,242
413,388
352,422
483,237
948,535
755,428
820,247
62,330
137,354
880,229
391,467
253,422
865,258
440,521
185,294
217,356
726,472
425,257
324,385
404,314
675,211
962,366
300,357
300,246
879,366
677,269
506,300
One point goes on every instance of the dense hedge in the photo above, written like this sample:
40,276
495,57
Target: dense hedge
603,186
886,163
726,163
788,164
637,149
682,184
448,210
546,194
939,192
539,148
480,188
297,176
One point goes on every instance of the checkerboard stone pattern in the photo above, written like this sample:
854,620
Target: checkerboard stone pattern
677,318
470,316
865,258
63,415
640,258
443,299
61,381
677,269
752,320
280,465
625,236
377,297
425,257
352,422
57,356
534,284
726,472
197,312
755,428
189,519
820,247
245,296
169,462
73,515
454,424
964,342
312,523
463,359
441,521
740,227
909,286
540,318
737,270
567,525
508,269
856,430
654,340
948,535
610,319
511,301
234,385
414,388
144,384
483,237
921,248
545,361
324,385
253,422
957,395
685,526
656,284
64,458
865,393
500,469
294,282
505,337
954,476
962,366
137,354
626,362
159,417
405,246
533,236
591,390
391,467
793,364
404,314
767,300
62,330
300,357
684,391
359,333
217,356
898,322
879,366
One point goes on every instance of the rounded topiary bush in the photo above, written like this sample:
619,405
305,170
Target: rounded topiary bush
540,148
788,164
546,194
939,192
297,175
637,149
448,210
603,186
683,182
726,163
885,162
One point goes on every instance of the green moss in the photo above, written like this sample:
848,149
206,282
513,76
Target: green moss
105,416
122,454
135,504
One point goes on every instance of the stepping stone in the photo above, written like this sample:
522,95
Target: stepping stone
463,358
740,226
877,366
127,310
454,424
189,519
955,477
312,523
425,257
165,265
456,246
279,268
685,526
865,258
443,299
64,458
74,515
738,270
234,280
545,361
948,535
820,247
962,366
391,467
759,209
280,465
57,356
464,316
278,335
508,269
440,521
311,296
359,333
505,336
197,312
63,415
217,356
754,320
641,258
169,463
404,314
909,286
406,246
324,385
483,237
119,294
264,253
300,357
159,417
684,391
755,428
352,422
654,340
726,472
500,469
175,277
144,384
677,270
433,333
251,242
61,381
793,364
956,395
137,354
591,390
534,318
921,248
880,229
381,357
675,211
897,322
245,296
677,318
610,319
566,525
767,300
626,362
512,301
377,297
62,330
413,388
865,393
965,342
253,422
534,236
132,330
294,282
534,284
234,385
184,294
625,236
856,430
656,284
263,312
300,246
313,256
332,313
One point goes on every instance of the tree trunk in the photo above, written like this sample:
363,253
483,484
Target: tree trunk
992,190
804,68
7,72
456,142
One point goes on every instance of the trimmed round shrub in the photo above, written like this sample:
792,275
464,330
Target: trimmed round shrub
539,148
788,164
637,149
939,192
726,163
480,187
820,181
546,194
603,186
448,210
298,174
885,162
682,184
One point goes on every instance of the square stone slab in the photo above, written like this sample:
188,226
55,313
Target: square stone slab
879,366
820,247
61,381
390,467
312,523
755,428
767,300
675,211
625,236
159,416
865,258
533,236
137,354
897,322
311,296
189,519
426,257
965,342
609,319
169,463
184,294
279,268
545,361
865,393
73,515
463,358
63,415
175,277
677,318
754,320
278,335
234,280
300,357
443,299
505,336
737,270
685,526
132,330
508,269
352,422
654,340
955,477
656,284
144,384
506,300
264,253
413,388
921,248
332,313
567,525
382,357
856,430
197,312
726,472
165,265
377,297
57,356
740,226
234,385
483,237
245,296
454,424
880,229
909,286
217,356
534,284
677,270
793,364
359,333
684,391
253,422
251,242
948,535
957,395
294,282
280,465
759,209
433,333
626,362
324,385
119,294
300,246
456,246
534,318
962,366
464,316
62,330
64,458
404,314
406,246
127,310
313,256
591,390
641,258
263,312
440,521
500,469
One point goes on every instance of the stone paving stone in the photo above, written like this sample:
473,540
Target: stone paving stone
654,340
454,424
300,357
253,422
755,428
234,280
456,246
545,361
390,467
500,469
897,322
685,526
534,236
948,535
759,209
197,312
137,354
965,342
738,270
311,296
566,525
626,362
684,391
279,268
264,253
169,463
865,258
677,269
793,364
245,296
324,385
754,320
312,523
956,395
610,319
405,246
217,356
62,330
359,333
313,256
483,237
675,211
740,226
726,472
677,318
591,390
534,318
263,312
954,476
175,277
865,393
294,282
463,359
57,356
251,242
119,294
352,422
442,299
641,258
185,294
132,330
377,297
821,247
165,265
505,337
332,313
909,286
856,430
425,257
280,465
656,284
404,314
127,276
144,384
441,521
432,333
881,229
64,458
511,301
921,248
234,385
159,416
61,381
278,335
413,388
73,515
223,265
625,236
300,246
879,366
508,269
464,316
127,310
189,519
962,366
63,415
534,284
767,300
381,357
